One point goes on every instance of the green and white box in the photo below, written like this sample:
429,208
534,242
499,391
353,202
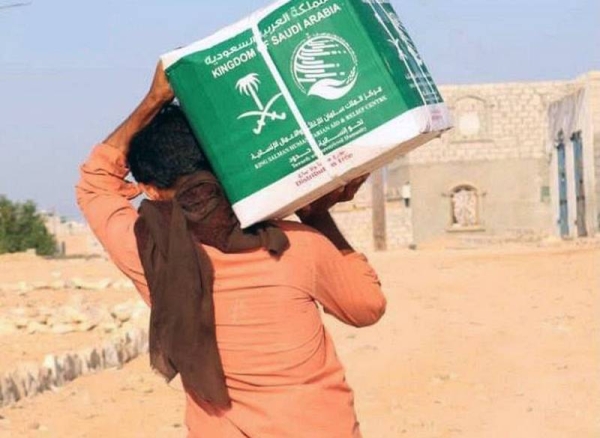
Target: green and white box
302,97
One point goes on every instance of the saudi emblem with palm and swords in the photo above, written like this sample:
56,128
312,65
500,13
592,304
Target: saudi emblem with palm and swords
249,86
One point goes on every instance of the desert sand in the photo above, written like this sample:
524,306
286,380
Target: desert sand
479,343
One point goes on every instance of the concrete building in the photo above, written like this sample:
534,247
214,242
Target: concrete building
73,238
523,162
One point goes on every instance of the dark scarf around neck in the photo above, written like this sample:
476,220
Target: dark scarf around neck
180,277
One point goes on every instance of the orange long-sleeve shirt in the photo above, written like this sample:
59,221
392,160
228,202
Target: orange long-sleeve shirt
281,369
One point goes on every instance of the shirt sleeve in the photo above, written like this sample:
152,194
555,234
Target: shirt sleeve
104,195
346,285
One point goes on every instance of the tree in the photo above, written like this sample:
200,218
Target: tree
22,228
248,85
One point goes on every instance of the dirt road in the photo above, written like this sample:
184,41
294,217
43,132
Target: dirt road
479,344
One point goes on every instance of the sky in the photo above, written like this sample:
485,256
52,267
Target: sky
72,70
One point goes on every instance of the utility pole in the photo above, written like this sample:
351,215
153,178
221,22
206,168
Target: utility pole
378,206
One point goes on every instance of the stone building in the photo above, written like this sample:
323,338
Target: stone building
73,238
523,162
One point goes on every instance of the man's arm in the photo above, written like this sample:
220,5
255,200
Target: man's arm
160,93
345,284
104,195
317,216
325,225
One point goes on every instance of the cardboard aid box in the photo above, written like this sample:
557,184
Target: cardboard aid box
302,97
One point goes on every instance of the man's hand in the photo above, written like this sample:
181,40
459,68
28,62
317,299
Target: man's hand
322,206
161,89
316,215
160,93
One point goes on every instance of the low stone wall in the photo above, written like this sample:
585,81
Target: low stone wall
30,379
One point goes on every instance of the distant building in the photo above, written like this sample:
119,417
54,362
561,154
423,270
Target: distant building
522,161
73,238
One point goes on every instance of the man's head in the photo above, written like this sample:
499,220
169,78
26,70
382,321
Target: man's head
163,152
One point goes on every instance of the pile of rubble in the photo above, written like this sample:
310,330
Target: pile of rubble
74,318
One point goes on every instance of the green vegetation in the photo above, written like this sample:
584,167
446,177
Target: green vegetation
22,227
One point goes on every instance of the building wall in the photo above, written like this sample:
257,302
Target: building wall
494,122
499,146
510,197
73,238
357,225
593,94
397,174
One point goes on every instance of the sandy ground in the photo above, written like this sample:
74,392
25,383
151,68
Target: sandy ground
18,268
480,343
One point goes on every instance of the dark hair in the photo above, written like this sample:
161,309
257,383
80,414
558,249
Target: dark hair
165,150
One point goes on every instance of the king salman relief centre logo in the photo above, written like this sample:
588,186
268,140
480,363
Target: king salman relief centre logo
326,66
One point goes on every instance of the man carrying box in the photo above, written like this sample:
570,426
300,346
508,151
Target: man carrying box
233,311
